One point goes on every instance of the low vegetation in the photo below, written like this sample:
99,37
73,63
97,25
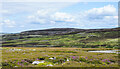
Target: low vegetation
57,57
80,40
63,50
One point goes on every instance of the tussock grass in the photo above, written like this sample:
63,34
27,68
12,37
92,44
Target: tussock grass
61,54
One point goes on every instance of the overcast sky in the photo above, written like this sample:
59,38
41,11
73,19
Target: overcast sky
22,16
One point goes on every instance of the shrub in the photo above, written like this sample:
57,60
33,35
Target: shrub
5,64
82,59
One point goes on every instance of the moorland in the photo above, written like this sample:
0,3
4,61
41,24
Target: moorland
60,47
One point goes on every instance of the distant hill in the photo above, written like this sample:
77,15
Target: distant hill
64,37
62,31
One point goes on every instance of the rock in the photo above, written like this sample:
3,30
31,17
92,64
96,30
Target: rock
49,65
16,66
67,59
51,58
34,49
37,62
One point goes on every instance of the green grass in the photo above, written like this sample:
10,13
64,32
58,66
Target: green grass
78,57
86,40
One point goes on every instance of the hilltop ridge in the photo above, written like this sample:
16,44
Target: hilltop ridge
62,31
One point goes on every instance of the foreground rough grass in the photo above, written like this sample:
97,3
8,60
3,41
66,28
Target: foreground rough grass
66,57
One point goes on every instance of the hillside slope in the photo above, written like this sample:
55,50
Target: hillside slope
64,37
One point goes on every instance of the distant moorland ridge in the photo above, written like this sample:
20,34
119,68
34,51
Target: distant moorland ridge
64,37
62,31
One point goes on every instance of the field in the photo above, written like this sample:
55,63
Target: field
57,57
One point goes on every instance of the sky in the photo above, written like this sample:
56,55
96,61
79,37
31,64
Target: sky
23,16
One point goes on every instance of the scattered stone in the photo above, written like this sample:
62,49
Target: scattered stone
49,65
67,59
16,66
51,58
34,49
37,62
